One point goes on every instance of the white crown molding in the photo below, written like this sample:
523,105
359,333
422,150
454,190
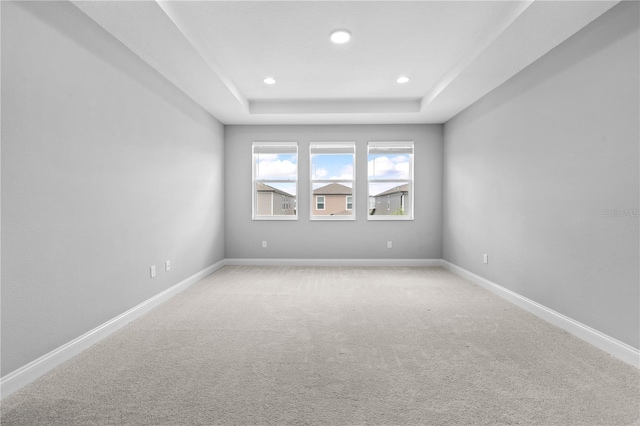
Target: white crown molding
342,106
200,45
473,53
166,36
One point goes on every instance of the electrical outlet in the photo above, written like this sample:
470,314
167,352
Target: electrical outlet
264,244
486,258
167,265
389,244
153,271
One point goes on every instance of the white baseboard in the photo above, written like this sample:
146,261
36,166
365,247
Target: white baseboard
333,262
614,347
30,372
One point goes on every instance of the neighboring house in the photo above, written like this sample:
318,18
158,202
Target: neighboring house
273,201
332,200
394,201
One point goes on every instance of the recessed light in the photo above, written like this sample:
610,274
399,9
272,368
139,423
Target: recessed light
403,79
340,36
269,80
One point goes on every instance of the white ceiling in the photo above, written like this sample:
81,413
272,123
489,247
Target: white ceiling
454,52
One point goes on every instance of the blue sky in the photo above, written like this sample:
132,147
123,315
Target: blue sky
333,167
388,166
277,166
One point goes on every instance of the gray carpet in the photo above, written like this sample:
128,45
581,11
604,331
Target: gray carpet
335,346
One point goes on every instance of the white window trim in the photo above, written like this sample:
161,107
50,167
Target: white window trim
328,146
346,207
254,193
410,180
324,202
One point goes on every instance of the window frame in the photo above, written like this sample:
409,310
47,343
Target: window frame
329,148
272,147
400,146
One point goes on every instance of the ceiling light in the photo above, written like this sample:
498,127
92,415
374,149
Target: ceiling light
340,36
269,80
403,79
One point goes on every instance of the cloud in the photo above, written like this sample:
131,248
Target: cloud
400,159
384,167
320,173
276,168
345,174
268,157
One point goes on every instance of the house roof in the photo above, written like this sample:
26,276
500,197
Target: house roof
343,213
333,189
261,187
397,189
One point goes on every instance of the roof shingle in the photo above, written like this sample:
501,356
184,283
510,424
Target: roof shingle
333,189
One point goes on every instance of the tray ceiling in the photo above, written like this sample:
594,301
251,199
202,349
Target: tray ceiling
453,52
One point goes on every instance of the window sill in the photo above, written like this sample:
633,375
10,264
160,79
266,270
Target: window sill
389,217
332,218
291,217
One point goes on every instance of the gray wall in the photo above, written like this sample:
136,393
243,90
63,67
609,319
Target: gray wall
359,239
106,169
531,170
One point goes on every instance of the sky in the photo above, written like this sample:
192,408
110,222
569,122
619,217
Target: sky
334,167
387,166
279,167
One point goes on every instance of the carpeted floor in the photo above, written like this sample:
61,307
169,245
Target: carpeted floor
334,346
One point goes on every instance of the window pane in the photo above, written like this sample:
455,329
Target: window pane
276,166
332,166
389,166
389,198
390,180
332,180
330,199
275,175
275,198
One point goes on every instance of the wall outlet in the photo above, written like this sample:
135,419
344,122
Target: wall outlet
264,244
389,244
167,265
486,258
152,270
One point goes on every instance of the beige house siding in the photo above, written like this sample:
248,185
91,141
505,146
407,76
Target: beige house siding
335,200
270,202
278,205
333,204
264,203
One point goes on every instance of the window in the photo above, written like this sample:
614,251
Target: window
390,180
275,180
332,180
286,203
